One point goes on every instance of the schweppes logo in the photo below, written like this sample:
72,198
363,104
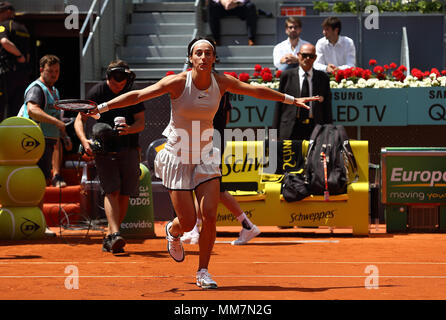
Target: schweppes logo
248,164
29,143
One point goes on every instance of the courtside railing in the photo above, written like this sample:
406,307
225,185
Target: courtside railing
199,29
100,34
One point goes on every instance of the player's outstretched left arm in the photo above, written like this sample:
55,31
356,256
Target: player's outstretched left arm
234,85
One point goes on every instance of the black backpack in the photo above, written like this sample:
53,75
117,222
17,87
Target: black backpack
328,157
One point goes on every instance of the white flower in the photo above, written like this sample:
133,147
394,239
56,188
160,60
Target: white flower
433,76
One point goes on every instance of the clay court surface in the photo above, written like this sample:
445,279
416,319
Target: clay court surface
289,264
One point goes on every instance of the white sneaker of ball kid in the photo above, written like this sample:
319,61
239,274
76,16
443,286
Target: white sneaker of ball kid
191,237
246,235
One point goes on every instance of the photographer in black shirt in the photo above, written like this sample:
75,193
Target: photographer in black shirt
118,156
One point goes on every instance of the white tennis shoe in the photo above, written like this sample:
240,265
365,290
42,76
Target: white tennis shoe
246,235
191,237
205,281
174,245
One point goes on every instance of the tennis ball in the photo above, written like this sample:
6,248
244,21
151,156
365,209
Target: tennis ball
21,186
21,223
6,224
22,141
143,171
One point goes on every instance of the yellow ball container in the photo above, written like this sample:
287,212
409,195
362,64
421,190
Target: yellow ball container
22,186
22,142
21,223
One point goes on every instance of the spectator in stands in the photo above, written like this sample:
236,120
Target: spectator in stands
333,50
298,123
244,9
14,61
285,53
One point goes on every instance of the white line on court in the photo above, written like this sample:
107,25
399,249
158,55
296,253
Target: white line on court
233,276
332,262
287,241
224,262
69,262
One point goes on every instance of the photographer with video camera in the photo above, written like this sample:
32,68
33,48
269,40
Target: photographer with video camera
116,150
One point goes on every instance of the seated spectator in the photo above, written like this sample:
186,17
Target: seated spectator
285,52
333,50
244,9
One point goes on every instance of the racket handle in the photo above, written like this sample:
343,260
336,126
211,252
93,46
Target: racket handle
96,116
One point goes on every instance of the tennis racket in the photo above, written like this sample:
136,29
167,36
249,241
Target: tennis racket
326,192
78,105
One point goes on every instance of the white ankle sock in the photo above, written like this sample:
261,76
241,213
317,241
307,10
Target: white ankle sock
242,218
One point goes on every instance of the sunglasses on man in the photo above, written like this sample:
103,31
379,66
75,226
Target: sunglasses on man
308,55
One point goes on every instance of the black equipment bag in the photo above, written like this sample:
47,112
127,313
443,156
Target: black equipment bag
294,187
328,158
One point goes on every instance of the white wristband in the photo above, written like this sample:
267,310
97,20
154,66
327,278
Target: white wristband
103,107
288,99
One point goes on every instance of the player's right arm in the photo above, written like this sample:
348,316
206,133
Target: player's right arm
173,85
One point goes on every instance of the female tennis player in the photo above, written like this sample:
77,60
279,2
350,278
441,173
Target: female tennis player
189,162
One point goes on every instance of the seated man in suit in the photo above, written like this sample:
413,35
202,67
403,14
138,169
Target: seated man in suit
297,123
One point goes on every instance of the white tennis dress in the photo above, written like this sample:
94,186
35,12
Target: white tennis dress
189,158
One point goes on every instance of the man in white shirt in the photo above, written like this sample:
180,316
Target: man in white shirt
285,52
333,50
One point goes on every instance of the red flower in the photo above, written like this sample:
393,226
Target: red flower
257,68
378,70
366,74
244,77
392,65
417,73
386,67
357,72
372,62
256,74
435,71
266,70
348,73
278,73
339,75
267,77
443,72
402,68
233,74
168,73
399,75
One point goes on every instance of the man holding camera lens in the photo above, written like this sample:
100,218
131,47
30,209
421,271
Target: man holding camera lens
116,149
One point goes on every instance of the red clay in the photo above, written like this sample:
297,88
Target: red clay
272,267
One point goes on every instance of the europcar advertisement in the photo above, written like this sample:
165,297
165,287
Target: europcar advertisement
413,175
